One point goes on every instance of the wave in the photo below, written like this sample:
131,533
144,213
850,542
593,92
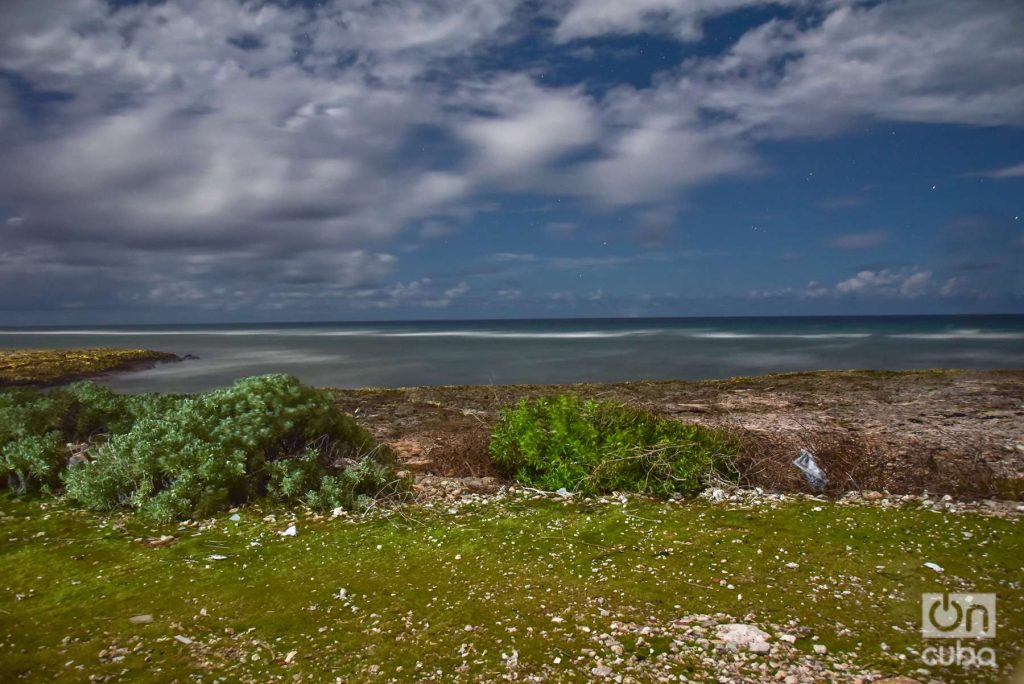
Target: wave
801,336
966,334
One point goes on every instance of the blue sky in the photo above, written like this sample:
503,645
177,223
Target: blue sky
348,159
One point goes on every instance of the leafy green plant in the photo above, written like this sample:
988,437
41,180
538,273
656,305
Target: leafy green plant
172,457
596,447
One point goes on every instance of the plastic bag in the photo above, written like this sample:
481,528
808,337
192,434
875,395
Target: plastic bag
809,466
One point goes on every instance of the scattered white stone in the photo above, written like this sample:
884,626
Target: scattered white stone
140,619
820,649
743,635
792,566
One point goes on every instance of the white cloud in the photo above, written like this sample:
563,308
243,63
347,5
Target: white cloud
1013,171
530,126
172,144
914,61
682,18
904,283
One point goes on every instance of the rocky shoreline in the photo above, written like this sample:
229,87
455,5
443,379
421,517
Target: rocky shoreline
956,433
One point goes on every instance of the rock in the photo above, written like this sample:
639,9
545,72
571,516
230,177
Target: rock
897,680
742,635
485,485
820,649
182,639
160,542
759,647
601,671
140,619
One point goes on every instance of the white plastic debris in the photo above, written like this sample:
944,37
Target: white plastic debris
809,466
183,639
290,532
217,556
235,518
563,492
934,566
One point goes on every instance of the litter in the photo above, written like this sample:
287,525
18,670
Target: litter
809,466
290,532
933,566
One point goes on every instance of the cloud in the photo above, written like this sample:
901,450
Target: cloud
888,283
530,127
214,153
866,240
1013,171
681,18
913,61
513,258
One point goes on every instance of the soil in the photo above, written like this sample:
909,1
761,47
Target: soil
957,432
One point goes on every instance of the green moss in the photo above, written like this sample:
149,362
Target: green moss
412,584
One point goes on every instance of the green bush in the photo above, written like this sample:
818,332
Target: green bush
597,447
172,457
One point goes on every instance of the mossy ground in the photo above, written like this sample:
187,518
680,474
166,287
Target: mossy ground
52,366
443,593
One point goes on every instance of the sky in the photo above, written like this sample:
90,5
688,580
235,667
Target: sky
226,160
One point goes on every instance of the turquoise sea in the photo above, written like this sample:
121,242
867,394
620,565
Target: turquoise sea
393,354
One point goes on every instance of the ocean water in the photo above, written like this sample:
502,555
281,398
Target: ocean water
396,354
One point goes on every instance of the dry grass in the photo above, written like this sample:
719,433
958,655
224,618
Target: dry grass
863,462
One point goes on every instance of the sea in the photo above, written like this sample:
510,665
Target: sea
402,354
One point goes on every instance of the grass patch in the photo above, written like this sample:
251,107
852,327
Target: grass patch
437,596
52,366
598,447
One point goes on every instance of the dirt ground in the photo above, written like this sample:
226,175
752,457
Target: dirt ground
956,432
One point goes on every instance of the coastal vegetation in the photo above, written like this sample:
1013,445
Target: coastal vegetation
173,457
138,528
592,447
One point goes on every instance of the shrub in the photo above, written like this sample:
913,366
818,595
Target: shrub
32,463
596,447
172,456
267,435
